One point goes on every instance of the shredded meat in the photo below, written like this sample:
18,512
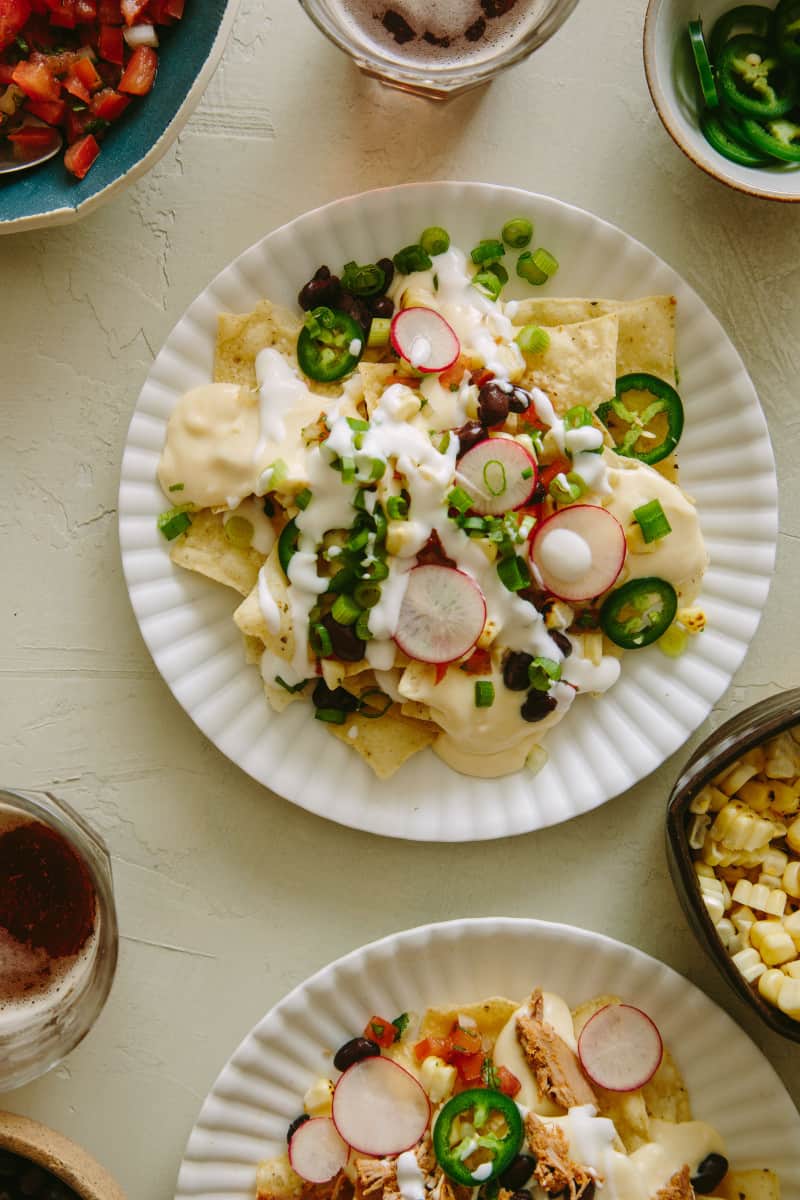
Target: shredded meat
555,1171
678,1188
338,1188
555,1067
426,1157
376,1179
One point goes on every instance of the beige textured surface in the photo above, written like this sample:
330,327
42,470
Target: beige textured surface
228,896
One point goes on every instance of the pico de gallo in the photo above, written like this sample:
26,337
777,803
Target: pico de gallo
75,65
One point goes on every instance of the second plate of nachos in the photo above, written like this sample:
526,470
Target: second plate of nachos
446,523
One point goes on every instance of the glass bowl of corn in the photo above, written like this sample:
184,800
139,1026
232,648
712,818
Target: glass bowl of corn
733,839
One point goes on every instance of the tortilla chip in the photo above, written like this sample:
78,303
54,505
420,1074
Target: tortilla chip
627,1110
415,710
666,1095
579,366
490,1016
205,548
240,336
385,743
250,619
646,339
253,649
761,1184
375,376
278,698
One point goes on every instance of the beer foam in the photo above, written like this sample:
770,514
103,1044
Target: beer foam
24,972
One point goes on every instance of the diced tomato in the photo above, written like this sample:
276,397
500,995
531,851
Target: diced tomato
75,124
547,474
77,88
469,1066
85,70
132,10
451,378
109,12
465,1041
509,1084
32,137
108,104
140,73
440,1047
63,13
175,9
379,1030
13,15
6,73
111,44
81,155
479,378
478,663
441,671
36,81
51,111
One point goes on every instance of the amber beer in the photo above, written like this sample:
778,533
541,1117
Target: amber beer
439,34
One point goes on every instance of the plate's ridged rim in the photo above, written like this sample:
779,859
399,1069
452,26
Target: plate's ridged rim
622,737
259,1091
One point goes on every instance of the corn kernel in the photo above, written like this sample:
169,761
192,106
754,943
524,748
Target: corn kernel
759,897
769,881
697,829
776,902
792,926
775,861
769,985
702,868
789,998
792,969
757,756
710,884
713,854
726,932
708,799
777,947
783,761
791,879
748,963
783,799
756,795
738,775
714,905
793,835
760,930
742,892
692,619
318,1100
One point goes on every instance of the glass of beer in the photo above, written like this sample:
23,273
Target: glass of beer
437,48
58,932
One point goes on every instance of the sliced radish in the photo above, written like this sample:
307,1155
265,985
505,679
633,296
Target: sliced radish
620,1048
499,474
316,1150
423,338
442,615
380,1109
579,551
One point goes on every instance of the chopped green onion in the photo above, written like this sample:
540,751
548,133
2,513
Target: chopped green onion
377,572
361,627
487,251
366,595
473,525
23,45
368,280
488,283
401,1025
358,500
542,672
372,712
321,641
674,642
331,716
176,487
278,473
379,329
499,270
239,532
460,499
358,540
484,693
174,522
527,473
652,521
538,267
291,688
566,489
517,233
577,417
494,476
526,526
343,581
377,469
397,508
513,572
435,240
348,469
303,499
357,424
444,444
412,258
532,339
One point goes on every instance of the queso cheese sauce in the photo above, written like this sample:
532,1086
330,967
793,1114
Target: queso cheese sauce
374,480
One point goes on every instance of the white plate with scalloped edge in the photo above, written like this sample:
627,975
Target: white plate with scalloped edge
603,746
260,1091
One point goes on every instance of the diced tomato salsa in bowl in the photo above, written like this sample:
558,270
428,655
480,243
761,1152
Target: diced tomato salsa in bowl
76,65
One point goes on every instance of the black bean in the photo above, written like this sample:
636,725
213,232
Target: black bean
710,1173
537,706
356,309
517,1175
492,404
387,266
325,697
519,401
295,1125
346,646
322,273
381,306
562,641
515,677
469,435
319,292
539,493
353,1052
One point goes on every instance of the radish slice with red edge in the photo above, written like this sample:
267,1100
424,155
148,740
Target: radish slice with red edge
578,552
620,1048
499,474
442,615
424,339
316,1151
379,1108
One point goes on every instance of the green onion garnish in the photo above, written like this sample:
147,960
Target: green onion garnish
532,339
566,489
370,710
484,693
378,335
397,508
412,258
176,487
321,641
174,522
348,469
513,572
460,499
366,595
527,473
331,716
517,233
291,688
303,499
239,532
494,476
361,627
377,469
499,270
577,417
444,444
401,1025
652,521
368,280
488,283
278,472
377,572
538,267
358,501
673,642
435,240
343,581
357,424
358,540
473,525
487,251
542,672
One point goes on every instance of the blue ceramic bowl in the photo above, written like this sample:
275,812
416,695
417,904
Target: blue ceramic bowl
188,56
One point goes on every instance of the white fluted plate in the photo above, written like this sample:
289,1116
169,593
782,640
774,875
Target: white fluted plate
248,1110
603,746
